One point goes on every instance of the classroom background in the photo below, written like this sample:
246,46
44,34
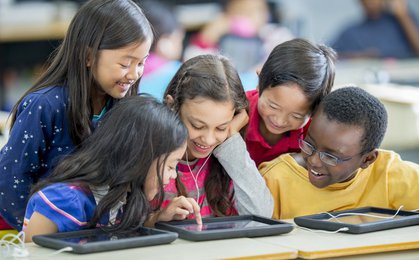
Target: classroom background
30,30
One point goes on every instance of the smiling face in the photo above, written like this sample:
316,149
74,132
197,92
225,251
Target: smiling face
207,122
151,185
117,70
282,108
340,140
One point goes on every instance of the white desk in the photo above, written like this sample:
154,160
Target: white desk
238,248
399,255
311,245
401,243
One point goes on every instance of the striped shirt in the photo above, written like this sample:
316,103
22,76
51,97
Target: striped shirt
194,184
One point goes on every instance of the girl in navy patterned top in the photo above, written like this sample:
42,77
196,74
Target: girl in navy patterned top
111,178
100,61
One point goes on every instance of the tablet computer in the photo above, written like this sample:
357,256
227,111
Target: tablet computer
359,220
226,227
98,240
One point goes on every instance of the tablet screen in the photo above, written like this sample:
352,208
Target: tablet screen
365,217
103,236
238,224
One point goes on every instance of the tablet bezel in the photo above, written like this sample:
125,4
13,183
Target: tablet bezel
156,237
317,221
275,227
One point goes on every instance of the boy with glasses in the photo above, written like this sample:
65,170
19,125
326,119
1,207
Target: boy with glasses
340,166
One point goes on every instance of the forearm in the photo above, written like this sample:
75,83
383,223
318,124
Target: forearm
411,31
251,193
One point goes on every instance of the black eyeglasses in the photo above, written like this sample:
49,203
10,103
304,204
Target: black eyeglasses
327,158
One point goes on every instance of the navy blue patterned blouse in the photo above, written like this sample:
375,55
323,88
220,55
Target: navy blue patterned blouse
38,139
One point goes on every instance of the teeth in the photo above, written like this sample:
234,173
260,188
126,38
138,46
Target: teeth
316,173
201,146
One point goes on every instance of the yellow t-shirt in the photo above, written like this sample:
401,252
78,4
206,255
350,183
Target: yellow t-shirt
389,182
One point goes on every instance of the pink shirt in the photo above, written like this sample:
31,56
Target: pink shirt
192,181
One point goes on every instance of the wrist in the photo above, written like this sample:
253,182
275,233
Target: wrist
152,219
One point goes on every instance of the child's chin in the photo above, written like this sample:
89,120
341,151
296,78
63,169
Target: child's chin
319,185
276,131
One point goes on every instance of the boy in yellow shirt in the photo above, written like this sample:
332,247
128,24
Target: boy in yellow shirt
340,166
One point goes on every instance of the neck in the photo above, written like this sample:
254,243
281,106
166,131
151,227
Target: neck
98,101
299,159
188,156
202,166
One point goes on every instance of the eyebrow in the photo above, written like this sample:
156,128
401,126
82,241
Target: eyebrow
202,122
273,102
293,112
135,58
299,114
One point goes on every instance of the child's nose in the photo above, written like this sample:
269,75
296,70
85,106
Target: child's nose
281,120
209,138
314,159
135,73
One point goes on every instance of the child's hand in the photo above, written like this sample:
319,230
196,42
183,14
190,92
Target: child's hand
239,121
180,208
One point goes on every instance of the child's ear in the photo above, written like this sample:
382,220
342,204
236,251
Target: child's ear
369,158
257,73
89,58
169,100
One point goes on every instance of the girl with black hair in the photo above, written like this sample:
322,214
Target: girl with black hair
111,178
99,62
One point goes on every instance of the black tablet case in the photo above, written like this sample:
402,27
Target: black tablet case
273,227
319,221
148,237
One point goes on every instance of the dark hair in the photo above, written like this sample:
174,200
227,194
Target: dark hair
356,107
208,76
98,25
161,17
119,154
311,66
212,77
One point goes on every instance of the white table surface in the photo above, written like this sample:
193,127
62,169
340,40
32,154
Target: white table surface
182,249
319,245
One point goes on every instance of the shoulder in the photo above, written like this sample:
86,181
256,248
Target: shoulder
54,96
58,92
61,194
252,95
253,98
349,33
281,163
44,104
392,164
68,206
